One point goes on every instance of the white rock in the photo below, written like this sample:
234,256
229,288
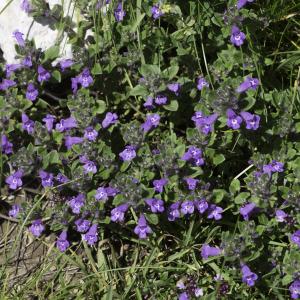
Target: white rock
13,18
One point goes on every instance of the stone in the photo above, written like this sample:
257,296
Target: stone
13,18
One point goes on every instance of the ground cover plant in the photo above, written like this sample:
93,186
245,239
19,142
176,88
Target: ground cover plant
161,161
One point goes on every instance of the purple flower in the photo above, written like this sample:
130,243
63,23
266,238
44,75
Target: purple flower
37,227
6,145
180,284
19,37
149,103
66,124
89,166
248,277
128,153
184,296
233,121
62,243
27,62
252,121
237,37
277,166
142,228
10,68
280,215
142,80
49,120
194,154
187,207
159,184
14,181
160,100
74,84
111,192
242,3
151,121
90,134
267,169
65,64
43,74
119,13
101,194
249,84
25,6
101,3
47,178
174,87
207,251
274,166
118,213
218,277
173,211
85,78
295,289
247,210
72,140
204,123
192,183
61,178
6,84
76,203
215,212
32,92
156,12
91,237
110,118
82,225
202,206
156,205
201,83
27,124
295,238
198,292
14,211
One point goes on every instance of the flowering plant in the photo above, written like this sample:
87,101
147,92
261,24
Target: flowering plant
165,148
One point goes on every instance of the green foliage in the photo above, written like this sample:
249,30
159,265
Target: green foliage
129,62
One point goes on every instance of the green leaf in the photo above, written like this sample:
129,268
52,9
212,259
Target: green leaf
137,22
170,72
218,159
260,229
250,102
287,279
100,107
54,157
138,90
125,166
51,53
149,70
152,218
219,194
178,255
56,75
97,69
235,186
119,199
241,198
58,136
138,294
51,158
173,106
